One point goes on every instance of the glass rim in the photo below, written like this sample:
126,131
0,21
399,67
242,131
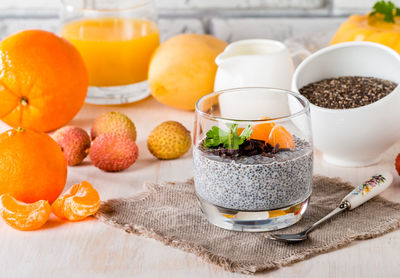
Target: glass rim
303,100
133,7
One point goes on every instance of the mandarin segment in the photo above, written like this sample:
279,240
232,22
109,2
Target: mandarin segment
262,131
280,135
79,202
57,206
23,216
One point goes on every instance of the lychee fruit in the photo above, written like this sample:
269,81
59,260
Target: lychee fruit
114,122
74,143
113,152
169,140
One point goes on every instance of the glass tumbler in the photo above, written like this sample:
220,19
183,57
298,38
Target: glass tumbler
253,158
116,39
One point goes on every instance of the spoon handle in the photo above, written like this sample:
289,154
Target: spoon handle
361,194
343,206
369,189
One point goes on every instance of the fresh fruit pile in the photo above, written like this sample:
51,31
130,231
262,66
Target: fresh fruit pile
265,139
34,167
44,84
33,174
114,148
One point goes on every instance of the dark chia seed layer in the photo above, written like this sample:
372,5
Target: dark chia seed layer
255,182
347,91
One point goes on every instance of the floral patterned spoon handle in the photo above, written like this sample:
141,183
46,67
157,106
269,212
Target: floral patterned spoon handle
369,189
361,194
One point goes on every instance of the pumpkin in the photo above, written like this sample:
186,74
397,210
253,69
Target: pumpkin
369,28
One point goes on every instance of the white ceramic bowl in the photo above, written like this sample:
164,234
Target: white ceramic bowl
353,137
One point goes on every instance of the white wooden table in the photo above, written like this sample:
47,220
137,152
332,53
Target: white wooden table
93,249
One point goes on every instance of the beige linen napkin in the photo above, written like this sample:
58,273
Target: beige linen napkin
169,213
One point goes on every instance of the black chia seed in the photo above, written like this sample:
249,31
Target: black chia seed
347,91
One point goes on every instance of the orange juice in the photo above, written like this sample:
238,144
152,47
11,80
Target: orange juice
116,51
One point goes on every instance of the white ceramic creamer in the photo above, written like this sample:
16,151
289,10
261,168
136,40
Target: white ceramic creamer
254,63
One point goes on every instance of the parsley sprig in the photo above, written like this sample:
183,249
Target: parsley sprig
387,9
229,139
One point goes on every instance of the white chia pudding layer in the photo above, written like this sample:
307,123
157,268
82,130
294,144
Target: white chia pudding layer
255,182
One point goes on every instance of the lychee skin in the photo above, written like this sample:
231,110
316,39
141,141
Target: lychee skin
169,140
114,122
113,152
74,143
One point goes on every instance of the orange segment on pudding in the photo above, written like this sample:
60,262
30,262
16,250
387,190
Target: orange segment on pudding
79,202
262,131
23,216
280,135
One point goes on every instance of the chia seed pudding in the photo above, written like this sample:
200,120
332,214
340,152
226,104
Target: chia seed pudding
257,182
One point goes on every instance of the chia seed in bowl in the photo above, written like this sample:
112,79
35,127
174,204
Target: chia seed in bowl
257,182
347,91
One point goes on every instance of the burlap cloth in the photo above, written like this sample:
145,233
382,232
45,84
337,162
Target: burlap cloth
169,213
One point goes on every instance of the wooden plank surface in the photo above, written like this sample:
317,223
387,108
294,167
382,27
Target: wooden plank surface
93,249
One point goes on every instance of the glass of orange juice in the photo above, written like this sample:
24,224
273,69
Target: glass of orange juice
116,39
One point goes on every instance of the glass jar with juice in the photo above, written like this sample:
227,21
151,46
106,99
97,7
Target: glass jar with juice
116,39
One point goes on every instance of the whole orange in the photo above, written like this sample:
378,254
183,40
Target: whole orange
43,80
32,166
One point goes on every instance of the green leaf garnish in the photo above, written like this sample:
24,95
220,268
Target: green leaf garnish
217,137
387,9
246,132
